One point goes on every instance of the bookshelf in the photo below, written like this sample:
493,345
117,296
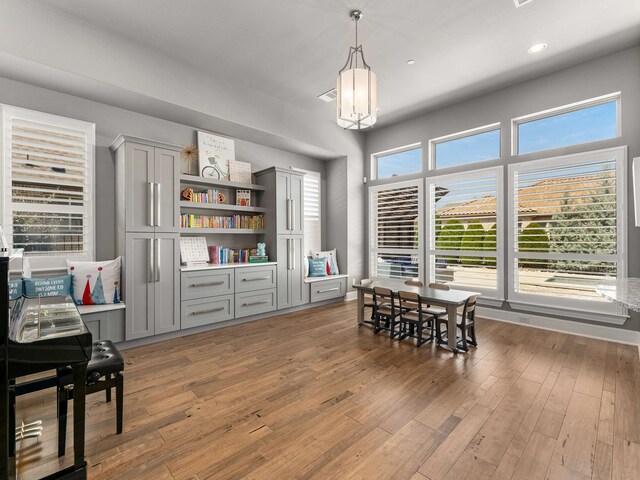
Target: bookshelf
213,182
226,231
186,205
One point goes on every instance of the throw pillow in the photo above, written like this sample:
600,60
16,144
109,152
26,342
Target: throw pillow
331,260
317,267
47,287
95,283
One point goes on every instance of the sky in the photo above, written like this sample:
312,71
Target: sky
581,126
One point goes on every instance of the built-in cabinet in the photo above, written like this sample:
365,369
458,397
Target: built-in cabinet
284,235
147,206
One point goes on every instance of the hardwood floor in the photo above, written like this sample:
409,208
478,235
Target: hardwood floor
310,395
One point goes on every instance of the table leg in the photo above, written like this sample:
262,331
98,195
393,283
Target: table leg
79,393
452,329
360,306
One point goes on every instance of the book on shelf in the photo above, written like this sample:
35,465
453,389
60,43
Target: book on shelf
258,259
221,255
210,195
250,222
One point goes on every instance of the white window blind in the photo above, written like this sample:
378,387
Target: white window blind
465,231
48,182
396,226
568,228
312,216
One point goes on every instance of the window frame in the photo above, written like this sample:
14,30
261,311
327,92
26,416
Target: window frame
8,113
431,163
419,183
572,107
487,294
386,153
608,312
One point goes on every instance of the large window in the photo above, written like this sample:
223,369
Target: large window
395,230
465,231
471,146
47,184
583,122
567,233
397,162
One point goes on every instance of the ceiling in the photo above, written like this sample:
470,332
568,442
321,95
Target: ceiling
293,49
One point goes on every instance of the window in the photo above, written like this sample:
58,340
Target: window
568,231
471,146
48,182
588,121
398,162
395,230
465,231
312,217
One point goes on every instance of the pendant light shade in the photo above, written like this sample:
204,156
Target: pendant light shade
357,88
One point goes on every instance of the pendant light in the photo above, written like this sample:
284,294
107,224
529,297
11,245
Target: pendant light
357,88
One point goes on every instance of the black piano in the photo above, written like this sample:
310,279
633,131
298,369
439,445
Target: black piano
40,334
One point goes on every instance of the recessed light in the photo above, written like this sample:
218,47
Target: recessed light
537,48
410,62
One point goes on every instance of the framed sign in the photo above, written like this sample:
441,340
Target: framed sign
214,154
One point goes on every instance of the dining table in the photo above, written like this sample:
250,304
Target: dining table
450,300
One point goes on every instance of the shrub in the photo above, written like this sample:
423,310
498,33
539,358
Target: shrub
450,238
489,245
534,238
472,239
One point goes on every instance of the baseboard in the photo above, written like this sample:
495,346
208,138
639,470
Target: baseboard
351,296
599,332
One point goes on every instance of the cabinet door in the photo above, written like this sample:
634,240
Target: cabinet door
167,282
140,174
167,190
138,286
283,181
299,291
283,272
296,196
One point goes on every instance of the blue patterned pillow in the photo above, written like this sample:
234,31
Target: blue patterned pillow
317,267
47,287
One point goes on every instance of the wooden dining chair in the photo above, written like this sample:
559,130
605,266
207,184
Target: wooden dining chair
385,311
414,282
466,323
368,300
413,318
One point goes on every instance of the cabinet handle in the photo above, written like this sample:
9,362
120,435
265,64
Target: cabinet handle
211,310
150,262
288,214
157,262
251,304
293,254
335,289
255,278
288,254
207,284
293,215
150,189
157,205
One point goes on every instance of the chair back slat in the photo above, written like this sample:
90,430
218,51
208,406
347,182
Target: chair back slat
414,282
469,311
410,305
439,286
382,296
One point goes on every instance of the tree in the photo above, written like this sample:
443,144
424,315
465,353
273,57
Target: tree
533,238
489,245
450,238
473,239
587,225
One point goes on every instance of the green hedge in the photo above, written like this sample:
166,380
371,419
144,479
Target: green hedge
534,238
490,245
473,239
450,237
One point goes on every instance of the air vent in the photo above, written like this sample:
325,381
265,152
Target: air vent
329,96
520,3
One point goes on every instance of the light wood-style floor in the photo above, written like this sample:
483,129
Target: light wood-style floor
310,395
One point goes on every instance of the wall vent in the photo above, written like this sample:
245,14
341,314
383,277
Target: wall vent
329,96
520,3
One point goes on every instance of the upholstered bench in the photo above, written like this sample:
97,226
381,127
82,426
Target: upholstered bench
103,373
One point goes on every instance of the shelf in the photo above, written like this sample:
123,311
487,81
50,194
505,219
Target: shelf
213,182
212,266
231,231
221,206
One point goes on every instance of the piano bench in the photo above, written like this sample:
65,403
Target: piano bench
103,373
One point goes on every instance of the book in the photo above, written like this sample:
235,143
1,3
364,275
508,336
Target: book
258,259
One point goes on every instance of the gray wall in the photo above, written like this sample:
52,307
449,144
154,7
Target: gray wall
616,72
111,121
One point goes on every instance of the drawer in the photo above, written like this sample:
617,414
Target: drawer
206,283
327,289
253,303
250,279
194,313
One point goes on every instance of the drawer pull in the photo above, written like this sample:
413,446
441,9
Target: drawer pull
208,284
334,289
211,310
255,278
251,304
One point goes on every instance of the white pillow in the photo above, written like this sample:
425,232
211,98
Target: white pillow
330,258
95,283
